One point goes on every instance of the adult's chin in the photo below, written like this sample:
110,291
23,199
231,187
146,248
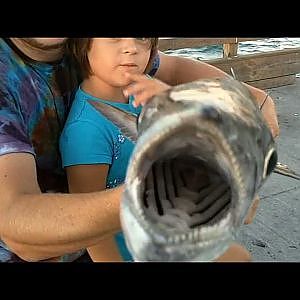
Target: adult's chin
46,43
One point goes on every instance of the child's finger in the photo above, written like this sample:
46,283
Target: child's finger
142,98
145,94
133,89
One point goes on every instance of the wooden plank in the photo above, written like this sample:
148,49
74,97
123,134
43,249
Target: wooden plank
230,50
273,82
179,43
250,39
259,66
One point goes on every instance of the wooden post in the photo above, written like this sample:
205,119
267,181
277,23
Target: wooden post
230,50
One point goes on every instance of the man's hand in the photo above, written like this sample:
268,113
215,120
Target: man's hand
235,253
143,88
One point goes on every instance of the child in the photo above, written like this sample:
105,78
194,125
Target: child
94,152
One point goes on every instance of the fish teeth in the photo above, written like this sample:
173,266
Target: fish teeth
190,236
196,234
183,237
170,240
176,239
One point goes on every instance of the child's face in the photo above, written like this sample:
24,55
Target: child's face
110,58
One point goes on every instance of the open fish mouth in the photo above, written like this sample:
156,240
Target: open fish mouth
202,153
186,182
184,193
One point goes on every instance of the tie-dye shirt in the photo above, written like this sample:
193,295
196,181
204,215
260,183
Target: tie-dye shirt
32,115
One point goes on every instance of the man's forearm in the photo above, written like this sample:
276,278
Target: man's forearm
41,226
267,107
175,70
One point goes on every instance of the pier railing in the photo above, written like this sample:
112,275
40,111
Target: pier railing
263,70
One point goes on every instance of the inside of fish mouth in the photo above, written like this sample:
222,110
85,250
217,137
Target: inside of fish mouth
182,190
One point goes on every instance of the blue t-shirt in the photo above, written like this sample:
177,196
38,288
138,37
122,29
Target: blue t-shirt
90,138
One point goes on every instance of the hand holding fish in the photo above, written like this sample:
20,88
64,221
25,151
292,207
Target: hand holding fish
143,88
197,166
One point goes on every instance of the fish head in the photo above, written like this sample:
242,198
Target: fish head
204,135
203,151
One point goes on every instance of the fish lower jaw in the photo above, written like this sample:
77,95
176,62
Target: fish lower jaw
203,235
148,244
174,232
204,250
184,188
200,252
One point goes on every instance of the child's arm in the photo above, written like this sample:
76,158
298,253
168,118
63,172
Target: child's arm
86,152
87,178
91,178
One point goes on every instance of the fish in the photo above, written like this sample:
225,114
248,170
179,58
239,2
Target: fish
202,152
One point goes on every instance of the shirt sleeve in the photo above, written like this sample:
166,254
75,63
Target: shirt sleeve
14,136
84,143
155,65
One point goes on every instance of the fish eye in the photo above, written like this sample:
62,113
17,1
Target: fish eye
270,162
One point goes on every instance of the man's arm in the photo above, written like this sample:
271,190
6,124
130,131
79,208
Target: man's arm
175,70
39,226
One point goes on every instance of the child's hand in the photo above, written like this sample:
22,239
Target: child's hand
143,88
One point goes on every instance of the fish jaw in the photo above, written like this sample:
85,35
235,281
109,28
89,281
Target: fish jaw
149,240
146,244
219,127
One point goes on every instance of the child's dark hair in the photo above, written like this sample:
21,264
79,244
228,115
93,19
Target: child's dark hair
77,49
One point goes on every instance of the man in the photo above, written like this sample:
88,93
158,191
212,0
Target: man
38,220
